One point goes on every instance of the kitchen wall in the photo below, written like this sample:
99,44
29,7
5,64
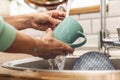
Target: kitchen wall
89,21
91,24
4,7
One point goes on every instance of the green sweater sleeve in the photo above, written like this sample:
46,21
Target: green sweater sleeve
7,35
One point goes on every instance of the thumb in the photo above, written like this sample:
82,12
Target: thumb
49,33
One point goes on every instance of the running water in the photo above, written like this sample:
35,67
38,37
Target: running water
69,3
51,64
60,60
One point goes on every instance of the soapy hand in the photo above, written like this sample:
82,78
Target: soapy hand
38,21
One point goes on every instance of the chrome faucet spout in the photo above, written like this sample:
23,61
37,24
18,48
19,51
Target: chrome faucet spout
103,32
106,42
61,8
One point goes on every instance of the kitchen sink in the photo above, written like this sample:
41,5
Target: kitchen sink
39,68
39,64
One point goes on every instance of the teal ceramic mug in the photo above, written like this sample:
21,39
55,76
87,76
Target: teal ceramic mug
68,31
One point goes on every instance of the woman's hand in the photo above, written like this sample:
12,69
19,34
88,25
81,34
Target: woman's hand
39,21
45,20
49,47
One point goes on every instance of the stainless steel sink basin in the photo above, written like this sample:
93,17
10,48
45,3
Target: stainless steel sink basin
39,68
38,64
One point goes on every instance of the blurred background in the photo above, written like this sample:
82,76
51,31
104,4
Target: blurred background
87,12
15,7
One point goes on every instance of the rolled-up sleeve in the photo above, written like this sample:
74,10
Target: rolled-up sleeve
7,35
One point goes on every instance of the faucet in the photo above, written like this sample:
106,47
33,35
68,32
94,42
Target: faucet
105,41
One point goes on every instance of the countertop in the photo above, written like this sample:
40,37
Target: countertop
10,74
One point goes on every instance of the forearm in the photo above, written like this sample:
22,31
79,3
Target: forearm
19,22
11,40
22,44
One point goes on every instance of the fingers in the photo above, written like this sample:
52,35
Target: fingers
53,20
59,15
55,47
67,48
55,17
64,47
49,33
56,14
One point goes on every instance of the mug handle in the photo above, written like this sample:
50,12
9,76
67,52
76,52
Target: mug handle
79,44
